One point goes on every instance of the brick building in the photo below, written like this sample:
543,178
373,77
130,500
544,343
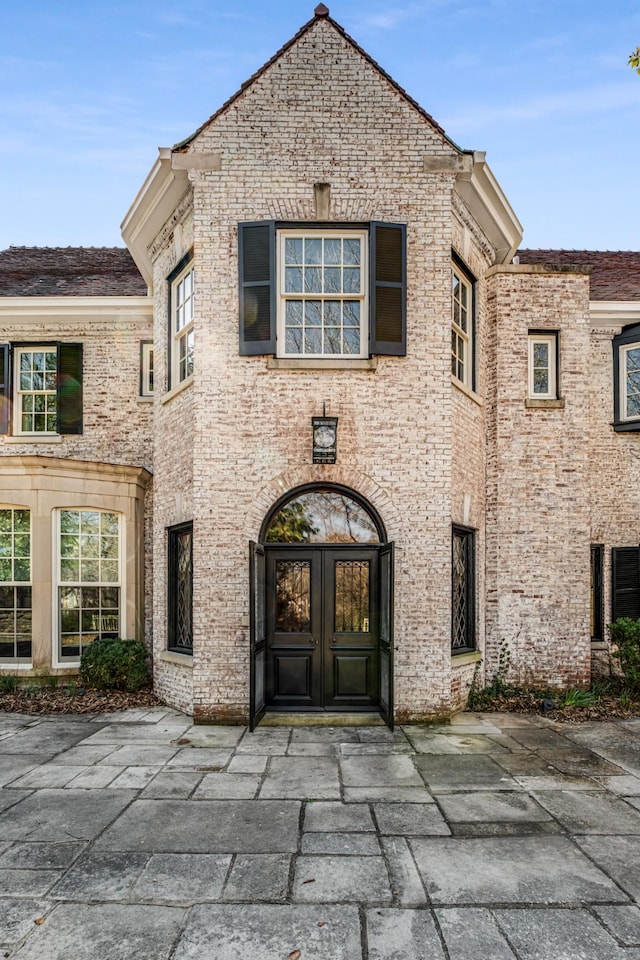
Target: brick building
323,435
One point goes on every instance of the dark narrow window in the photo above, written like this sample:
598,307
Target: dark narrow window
625,582
597,596
463,591
181,588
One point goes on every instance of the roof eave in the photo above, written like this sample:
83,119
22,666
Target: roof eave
613,313
486,200
158,196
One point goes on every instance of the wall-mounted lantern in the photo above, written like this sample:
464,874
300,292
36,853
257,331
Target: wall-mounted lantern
325,439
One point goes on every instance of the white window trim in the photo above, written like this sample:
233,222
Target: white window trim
146,368
552,340
362,298
18,394
56,659
21,663
465,336
622,381
178,335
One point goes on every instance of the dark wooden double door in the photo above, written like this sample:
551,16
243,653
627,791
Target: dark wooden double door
325,628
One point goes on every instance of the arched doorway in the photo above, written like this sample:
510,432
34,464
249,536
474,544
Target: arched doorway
321,623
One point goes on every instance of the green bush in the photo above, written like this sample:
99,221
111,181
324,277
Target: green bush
114,664
8,683
625,635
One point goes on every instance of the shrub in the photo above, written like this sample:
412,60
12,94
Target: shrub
8,683
625,635
115,664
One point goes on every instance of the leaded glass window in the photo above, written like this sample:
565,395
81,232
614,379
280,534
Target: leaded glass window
181,588
293,596
631,381
462,591
15,584
323,286
352,596
89,579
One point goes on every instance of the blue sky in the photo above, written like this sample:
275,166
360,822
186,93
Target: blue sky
89,90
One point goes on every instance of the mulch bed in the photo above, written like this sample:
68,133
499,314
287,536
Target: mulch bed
43,700
607,708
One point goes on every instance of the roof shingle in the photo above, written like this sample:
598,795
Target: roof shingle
69,272
615,274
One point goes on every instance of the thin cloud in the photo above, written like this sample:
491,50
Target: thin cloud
606,98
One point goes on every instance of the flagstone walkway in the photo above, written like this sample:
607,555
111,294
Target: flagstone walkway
142,836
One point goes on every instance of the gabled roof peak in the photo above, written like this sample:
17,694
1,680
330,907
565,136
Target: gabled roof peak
321,13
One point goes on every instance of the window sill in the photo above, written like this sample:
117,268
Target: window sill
468,392
626,426
599,645
34,438
15,665
462,659
170,656
145,399
557,404
176,390
314,363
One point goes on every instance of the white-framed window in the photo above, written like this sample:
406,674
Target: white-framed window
146,368
183,299
15,585
629,374
543,366
322,283
462,327
89,567
36,393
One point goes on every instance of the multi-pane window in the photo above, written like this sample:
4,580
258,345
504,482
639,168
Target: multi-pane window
626,382
323,300
630,381
181,588
36,390
15,584
146,368
182,314
88,579
543,375
461,327
462,591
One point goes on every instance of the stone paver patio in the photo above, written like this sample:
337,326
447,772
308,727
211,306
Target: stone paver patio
493,836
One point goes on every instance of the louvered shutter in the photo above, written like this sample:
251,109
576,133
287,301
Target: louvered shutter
388,288
69,388
5,388
625,582
256,259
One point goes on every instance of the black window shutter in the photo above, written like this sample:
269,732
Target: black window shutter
256,264
388,288
69,388
5,388
625,584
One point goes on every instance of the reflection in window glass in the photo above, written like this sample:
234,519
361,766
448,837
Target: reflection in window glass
322,516
89,576
352,596
293,596
15,591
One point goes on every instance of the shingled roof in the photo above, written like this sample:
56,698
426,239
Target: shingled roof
615,274
69,272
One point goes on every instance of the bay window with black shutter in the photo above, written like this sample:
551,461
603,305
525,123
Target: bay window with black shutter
322,291
41,386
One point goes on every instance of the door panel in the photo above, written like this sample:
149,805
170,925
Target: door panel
293,677
386,633
322,607
257,634
349,628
